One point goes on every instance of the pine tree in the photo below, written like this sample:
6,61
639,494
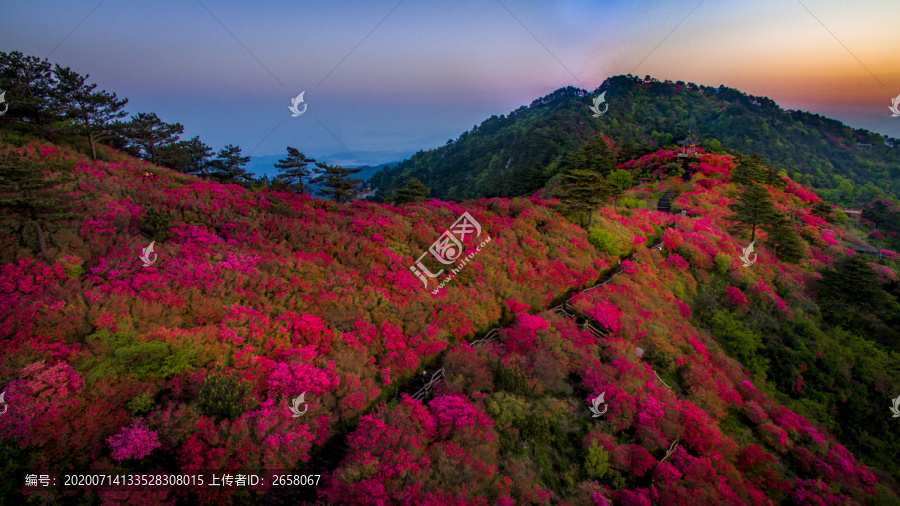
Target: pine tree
293,171
749,170
854,282
620,180
585,191
753,209
412,190
28,82
783,240
823,210
93,111
335,182
149,137
595,155
190,157
228,167
25,191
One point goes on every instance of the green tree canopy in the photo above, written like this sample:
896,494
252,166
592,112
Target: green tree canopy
595,155
28,83
585,190
228,166
93,111
854,282
753,209
335,182
293,171
412,190
190,157
148,137
783,240
823,210
620,180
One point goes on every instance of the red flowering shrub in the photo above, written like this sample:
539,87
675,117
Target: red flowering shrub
735,297
607,315
677,262
516,306
133,442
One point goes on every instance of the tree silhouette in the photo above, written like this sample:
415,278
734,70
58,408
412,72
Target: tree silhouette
823,210
335,182
228,166
854,283
93,111
412,190
753,209
28,80
190,157
585,190
149,137
293,171
783,239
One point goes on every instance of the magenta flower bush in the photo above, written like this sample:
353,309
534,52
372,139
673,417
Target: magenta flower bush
133,442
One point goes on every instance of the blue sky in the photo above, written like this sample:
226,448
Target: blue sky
390,77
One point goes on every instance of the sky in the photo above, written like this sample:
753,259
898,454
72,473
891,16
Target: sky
385,78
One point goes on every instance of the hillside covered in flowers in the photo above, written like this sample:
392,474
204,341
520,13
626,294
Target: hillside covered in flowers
724,384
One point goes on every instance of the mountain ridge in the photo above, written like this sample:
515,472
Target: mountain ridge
515,154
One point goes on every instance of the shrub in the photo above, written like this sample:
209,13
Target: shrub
155,224
840,217
632,203
133,442
73,266
739,341
735,297
723,263
677,262
679,290
141,403
596,463
224,396
15,140
684,251
605,241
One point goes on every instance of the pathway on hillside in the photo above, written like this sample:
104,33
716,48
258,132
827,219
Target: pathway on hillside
665,202
422,387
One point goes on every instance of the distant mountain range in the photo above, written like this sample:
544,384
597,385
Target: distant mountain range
517,154
376,160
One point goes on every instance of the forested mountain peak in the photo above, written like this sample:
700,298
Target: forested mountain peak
519,153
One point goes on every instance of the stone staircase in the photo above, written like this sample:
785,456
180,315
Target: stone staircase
665,203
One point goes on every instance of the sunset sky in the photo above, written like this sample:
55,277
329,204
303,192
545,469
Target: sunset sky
398,76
